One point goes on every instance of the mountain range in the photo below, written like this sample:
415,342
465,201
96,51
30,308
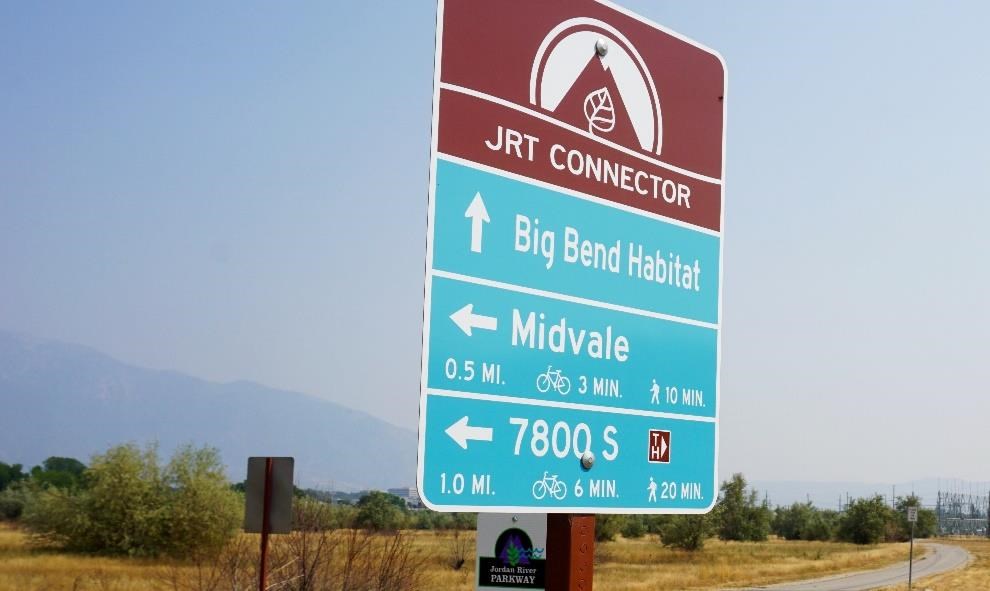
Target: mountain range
58,399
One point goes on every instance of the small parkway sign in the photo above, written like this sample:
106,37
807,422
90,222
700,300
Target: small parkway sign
573,273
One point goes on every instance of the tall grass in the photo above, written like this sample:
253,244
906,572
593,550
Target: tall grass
623,565
631,565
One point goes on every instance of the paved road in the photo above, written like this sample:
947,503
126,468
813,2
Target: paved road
940,558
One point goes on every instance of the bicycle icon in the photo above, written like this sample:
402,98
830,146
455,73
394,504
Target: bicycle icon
553,379
549,484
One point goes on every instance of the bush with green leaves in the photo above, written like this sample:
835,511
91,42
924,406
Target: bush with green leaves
434,520
12,501
822,526
803,521
865,521
608,526
379,511
655,523
10,474
686,532
738,515
130,504
634,527
202,514
790,522
59,473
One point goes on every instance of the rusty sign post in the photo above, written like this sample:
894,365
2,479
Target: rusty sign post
571,542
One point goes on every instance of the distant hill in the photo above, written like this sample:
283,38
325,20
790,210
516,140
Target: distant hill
68,400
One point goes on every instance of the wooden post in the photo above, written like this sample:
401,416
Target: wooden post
265,527
570,552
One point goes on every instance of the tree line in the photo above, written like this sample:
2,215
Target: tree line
127,501
739,515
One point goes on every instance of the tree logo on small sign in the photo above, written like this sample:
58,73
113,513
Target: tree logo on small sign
516,564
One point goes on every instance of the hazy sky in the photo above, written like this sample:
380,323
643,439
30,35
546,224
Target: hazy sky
238,191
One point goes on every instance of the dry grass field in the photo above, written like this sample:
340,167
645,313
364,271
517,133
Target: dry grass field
25,568
624,565
976,577
639,565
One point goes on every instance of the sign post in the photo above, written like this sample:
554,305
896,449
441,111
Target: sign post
268,503
572,309
912,515
571,541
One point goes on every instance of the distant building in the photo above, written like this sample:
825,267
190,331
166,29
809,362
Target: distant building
408,494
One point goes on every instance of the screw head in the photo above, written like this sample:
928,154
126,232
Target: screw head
601,46
587,460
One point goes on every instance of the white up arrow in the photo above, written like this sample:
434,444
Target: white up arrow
466,319
461,432
478,214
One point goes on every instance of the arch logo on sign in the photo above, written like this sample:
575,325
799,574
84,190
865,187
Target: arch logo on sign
573,286
625,91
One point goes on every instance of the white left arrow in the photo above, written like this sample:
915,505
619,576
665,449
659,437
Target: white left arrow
466,320
478,214
461,432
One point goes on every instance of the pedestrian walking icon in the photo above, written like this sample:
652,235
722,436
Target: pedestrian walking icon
652,488
655,390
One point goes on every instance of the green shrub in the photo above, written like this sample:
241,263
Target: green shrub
128,504
59,473
865,521
802,521
821,527
634,527
12,501
608,526
687,532
738,515
380,511
655,523
10,473
201,512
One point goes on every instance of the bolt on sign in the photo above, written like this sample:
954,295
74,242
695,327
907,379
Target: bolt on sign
574,263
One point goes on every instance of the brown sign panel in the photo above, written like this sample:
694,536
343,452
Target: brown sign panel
640,123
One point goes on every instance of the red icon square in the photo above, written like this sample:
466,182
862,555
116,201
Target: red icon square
659,450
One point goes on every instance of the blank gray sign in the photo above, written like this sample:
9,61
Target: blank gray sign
280,511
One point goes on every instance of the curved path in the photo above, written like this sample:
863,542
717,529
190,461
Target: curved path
940,558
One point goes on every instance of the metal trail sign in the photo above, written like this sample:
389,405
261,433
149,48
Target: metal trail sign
572,315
